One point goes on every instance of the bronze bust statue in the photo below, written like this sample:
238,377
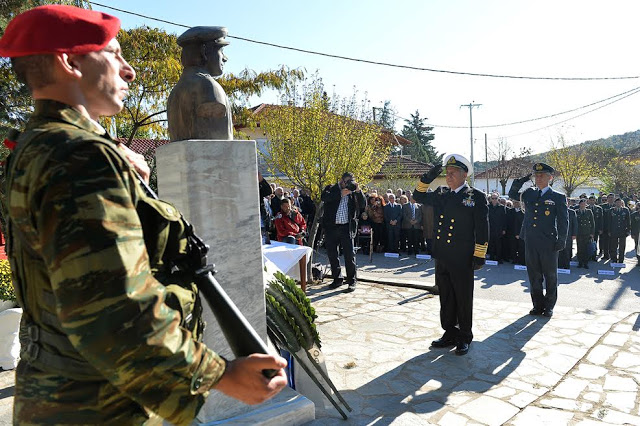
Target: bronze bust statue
198,108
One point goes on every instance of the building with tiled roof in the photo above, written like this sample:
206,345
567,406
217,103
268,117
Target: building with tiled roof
146,147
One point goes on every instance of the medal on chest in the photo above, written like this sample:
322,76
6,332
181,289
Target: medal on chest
468,201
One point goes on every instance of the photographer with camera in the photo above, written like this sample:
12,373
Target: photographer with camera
342,205
290,225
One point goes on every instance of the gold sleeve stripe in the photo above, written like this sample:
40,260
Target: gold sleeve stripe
481,250
422,187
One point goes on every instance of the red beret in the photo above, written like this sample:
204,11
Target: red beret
58,29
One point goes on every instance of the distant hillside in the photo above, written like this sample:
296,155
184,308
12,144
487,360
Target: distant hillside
621,143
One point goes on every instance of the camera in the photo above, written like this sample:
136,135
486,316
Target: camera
351,185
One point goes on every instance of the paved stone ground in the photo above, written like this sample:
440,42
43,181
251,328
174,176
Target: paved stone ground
579,367
6,396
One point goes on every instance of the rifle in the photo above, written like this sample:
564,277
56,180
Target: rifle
240,335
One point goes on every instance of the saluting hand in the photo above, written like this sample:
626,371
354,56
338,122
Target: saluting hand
523,179
432,174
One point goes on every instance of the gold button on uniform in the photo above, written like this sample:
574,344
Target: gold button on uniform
534,225
441,216
439,223
534,218
451,227
452,220
438,237
450,235
448,241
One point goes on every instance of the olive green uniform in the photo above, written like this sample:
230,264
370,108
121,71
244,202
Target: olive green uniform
108,335
586,230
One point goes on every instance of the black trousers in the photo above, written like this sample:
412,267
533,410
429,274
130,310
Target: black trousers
393,238
542,266
334,236
495,247
617,247
583,242
519,257
413,238
455,285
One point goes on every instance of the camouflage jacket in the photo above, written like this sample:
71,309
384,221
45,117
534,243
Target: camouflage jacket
78,247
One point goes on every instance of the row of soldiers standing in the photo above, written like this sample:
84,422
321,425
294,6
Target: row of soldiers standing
608,224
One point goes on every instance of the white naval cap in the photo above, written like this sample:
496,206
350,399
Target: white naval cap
457,160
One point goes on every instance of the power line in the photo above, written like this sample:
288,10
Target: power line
571,118
531,119
386,64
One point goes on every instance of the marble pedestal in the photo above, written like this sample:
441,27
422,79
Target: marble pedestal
214,185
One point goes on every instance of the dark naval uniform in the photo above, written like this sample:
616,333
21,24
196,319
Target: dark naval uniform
599,219
461,233
544,230
565,255
619,225
518,255
586,232
497,228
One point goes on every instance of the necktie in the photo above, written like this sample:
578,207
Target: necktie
413,211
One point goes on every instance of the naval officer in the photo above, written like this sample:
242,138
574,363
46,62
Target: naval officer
544,230
461,229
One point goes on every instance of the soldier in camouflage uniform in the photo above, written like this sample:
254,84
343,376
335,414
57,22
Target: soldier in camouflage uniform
109,334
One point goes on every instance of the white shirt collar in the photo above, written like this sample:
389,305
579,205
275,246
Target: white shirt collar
460,188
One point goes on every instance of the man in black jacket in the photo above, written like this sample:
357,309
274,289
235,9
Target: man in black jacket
341,208
497,228
461,229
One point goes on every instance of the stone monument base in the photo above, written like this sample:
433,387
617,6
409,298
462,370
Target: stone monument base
214,183
287,408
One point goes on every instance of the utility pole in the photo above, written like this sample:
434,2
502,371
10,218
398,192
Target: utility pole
470,106
486,161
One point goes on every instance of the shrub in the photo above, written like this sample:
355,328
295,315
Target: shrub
6,284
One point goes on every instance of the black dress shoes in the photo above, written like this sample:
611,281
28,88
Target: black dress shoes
462,348
535,311
336,283
548,313
351,288
443,343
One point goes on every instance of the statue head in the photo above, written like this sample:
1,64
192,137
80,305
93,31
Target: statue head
202,48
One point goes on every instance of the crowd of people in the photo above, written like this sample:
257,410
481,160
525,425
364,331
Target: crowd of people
393,222
598,224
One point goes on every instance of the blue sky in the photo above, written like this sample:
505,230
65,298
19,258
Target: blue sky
567,38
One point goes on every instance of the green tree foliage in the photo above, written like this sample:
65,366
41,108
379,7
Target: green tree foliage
313,146
420,134
155,56
572,163
386,116
621,175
